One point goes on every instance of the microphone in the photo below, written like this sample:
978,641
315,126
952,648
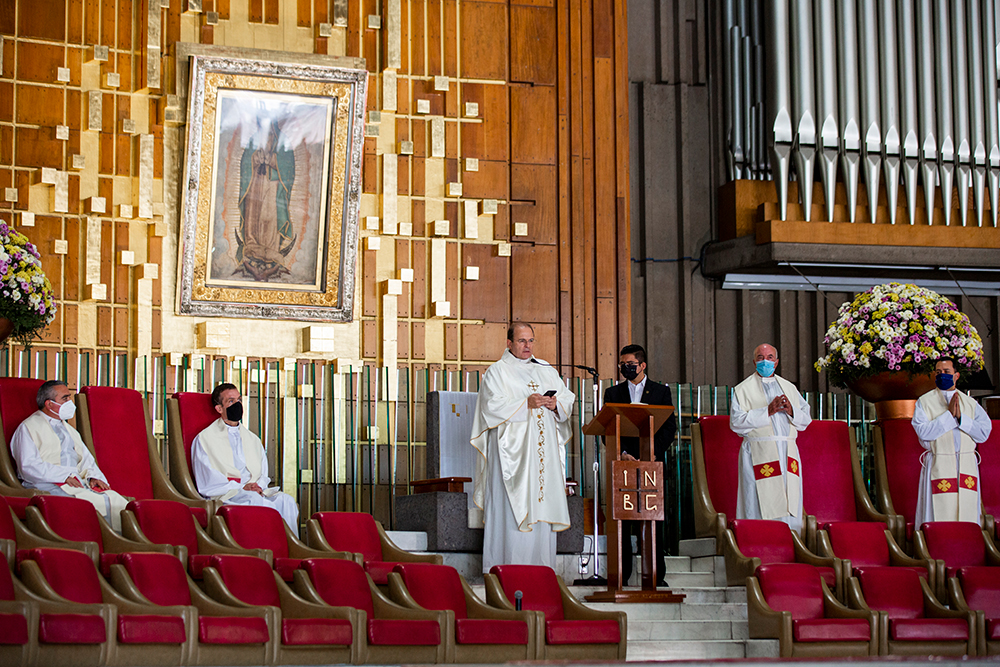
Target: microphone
517,600
589,369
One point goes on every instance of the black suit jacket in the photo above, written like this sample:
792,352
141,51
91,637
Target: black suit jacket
653,393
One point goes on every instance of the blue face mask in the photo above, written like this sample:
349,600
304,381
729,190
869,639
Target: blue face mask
765,368
944,381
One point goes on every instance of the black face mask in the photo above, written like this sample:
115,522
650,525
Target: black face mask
629,371
234,412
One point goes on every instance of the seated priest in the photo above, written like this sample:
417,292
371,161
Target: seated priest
230,464
51,456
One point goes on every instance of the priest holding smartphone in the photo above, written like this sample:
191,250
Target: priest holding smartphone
521,427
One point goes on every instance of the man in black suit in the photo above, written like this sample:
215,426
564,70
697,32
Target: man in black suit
638,388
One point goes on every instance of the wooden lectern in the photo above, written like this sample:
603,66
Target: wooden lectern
634,491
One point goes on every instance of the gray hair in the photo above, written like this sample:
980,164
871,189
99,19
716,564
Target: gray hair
47,392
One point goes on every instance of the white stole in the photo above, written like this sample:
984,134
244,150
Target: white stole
954,479
215,441
777,497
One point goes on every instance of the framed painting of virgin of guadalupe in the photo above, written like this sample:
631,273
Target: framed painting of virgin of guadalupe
272,189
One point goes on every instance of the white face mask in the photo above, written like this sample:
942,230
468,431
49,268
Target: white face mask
67,410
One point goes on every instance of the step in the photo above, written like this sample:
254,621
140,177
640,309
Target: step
409,540
686,611
702,546
693,594
719,649
685,630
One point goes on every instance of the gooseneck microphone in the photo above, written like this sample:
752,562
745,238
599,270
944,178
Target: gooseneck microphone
589,369
517,600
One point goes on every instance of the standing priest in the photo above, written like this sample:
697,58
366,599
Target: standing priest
521,427
768,412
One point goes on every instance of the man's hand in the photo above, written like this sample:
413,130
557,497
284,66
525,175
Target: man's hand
74,482
628,457
253,486
779,404
98,485
954,407
539,401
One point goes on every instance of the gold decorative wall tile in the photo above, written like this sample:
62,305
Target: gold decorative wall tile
503,249
149,271
27,219
10,194
112,80
125,211
406,275
393,287
390,182
442,83
437,137
371,223
406,148
212,334
60,246
442,228
471,219
393,46
92,251
59,202
471,109
472,273
373,242
454,189
62,75
374,22
340,13
127,258
423,106
490,207
62,132
95,99
389,89
520,229
439,275
471,164
96,292
144,193
78,162
98,205
98,53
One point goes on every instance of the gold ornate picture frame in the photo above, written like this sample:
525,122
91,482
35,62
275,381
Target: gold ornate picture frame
271,190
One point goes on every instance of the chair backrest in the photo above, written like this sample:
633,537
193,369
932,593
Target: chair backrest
894,590
196,412
351,531
17,403
863,542
249,578
989,468
72,519
537,584
6,584
902,465
6,521
981,588
70,573
166,522
792,587
160,577
957,543
770,541
120,439
721,448
436,587
341,583
256,528
827,471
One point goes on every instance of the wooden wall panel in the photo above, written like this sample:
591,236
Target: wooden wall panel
533,124
488,298
484,54
534,274
483,341
534,201
533,45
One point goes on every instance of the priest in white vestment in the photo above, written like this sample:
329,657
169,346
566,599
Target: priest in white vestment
50,455
229,462
768,411
520,480
949,425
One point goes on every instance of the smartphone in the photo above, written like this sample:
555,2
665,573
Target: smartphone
550,392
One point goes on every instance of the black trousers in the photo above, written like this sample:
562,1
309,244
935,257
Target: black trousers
630,528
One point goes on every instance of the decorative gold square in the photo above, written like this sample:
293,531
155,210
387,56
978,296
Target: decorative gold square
472,273
423,106
373,242
472,164
125,211
454,189
406,148
472,109
194,6
371,222
45,175
99,53
212,334
211,18
62,74
503,249
27,219
112,79
62,132
96,292
520,229
149,271
340,13
306,391
441,83
437,137
129,126
374,22
406,229
10,194
371,130
374,116
393,287
442,309
406,275
442,227
324,30
78,162
98,205
127,258
490,207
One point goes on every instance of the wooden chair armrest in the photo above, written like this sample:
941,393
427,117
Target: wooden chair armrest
19,491
823,545
934,609
956,597
293,606
920,545
8,549
495,597
764,622
298,549
116,544
811,528
128,606
206,545
393,554
398,592
478,609
992,553
217,590
738,566
834,608
303,587
124,585
804,555
855,599
208,606
989,523
27,539
574,610
386,608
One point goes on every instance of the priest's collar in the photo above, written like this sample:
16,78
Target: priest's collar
510,357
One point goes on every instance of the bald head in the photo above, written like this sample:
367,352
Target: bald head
765,359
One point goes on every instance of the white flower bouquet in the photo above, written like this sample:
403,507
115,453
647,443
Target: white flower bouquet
25,290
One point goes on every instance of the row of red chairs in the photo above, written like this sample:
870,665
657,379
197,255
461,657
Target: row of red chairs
151,612
888,611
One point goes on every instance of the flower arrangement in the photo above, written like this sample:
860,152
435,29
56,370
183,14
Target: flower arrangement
25,291
898,327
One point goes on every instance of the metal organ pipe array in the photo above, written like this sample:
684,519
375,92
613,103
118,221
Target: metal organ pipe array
889,91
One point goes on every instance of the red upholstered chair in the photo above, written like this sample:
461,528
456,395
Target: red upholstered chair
188,414
226,635
475,631
790,602
15,538
869,544
715,452
115,425
145,634
989,468
911,620
898,450
750,543
35,630
394,633
566,629
977,589
62,518
17,402
248,527
169,522
310,633
360,533
954,544
833,488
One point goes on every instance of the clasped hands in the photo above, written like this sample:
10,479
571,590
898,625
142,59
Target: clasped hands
955,408
94,483
780,404
253,486
539,401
